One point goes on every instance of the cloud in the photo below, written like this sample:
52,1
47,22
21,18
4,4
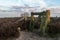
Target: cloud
29,1
10,3
41,3
33,3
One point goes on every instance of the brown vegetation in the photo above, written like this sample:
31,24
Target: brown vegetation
8,28
54,27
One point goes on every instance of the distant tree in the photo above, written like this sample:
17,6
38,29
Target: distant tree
25,14
22,15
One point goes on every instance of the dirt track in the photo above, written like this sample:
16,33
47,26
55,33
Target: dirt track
28,36
33,36
24,35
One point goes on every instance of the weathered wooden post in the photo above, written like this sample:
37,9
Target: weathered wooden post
48,14
32,22
47,21
32,17
42,17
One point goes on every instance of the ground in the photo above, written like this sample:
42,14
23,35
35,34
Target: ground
24,35
32,36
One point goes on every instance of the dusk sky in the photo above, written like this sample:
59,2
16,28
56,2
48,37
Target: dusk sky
6,4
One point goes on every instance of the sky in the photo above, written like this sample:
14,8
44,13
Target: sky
13,2
7,4
34,3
